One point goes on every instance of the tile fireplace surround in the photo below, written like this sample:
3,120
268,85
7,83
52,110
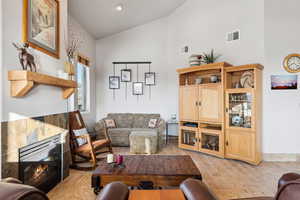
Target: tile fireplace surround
20,133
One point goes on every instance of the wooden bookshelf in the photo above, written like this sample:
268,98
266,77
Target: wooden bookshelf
22,82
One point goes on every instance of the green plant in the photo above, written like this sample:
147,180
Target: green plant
210,57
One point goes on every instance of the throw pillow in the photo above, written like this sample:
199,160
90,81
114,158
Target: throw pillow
110,123
80,132
152,123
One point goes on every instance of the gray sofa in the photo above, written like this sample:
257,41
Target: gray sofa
128,122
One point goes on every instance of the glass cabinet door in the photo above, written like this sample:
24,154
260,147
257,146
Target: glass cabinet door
239,110
189,138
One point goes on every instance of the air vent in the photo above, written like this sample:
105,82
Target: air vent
232,36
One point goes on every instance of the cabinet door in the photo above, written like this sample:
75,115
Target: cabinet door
240,107
210,103
188,98
240,145
189,138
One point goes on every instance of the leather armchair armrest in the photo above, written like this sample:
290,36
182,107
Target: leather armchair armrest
196,190
12,191
114,191
11,180
287,178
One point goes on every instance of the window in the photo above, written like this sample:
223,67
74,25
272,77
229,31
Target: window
83,81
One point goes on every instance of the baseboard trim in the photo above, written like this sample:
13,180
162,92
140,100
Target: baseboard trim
281,157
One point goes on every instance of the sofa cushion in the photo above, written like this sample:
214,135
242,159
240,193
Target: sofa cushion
123,120
142,120
119,136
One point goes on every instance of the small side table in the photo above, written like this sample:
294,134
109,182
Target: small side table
169,123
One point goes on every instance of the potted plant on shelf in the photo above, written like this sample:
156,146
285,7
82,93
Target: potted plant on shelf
210,57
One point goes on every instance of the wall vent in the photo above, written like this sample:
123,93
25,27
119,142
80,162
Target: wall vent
232,36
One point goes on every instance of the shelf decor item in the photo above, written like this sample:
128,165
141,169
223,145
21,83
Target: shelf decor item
247,79
26,59
195,60
210,57
41,27
291,63
114,82
126,75
150,78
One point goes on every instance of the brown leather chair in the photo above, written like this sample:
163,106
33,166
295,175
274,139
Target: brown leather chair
13,189
288,189
114,191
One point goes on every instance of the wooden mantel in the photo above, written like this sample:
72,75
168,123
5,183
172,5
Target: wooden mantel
23,81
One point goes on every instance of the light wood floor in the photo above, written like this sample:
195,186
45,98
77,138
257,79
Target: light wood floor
226,178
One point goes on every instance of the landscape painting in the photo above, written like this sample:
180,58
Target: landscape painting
42,25
284,82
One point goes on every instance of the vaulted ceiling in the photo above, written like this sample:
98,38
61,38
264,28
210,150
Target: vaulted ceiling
101,19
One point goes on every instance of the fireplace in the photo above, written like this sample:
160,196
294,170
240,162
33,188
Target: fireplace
40,163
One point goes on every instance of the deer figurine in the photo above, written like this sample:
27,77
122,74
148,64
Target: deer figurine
26,59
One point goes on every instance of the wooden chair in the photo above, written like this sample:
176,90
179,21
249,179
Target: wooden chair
90,149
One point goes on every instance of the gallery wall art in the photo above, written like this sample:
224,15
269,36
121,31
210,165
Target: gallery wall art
41,25
125,78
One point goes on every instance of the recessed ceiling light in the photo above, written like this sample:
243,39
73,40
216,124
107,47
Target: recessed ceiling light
119,7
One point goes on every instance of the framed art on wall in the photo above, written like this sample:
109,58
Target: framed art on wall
284,82
138,88
41,25
114,82
126,75
150,78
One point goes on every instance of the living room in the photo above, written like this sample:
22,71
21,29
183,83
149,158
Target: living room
128,99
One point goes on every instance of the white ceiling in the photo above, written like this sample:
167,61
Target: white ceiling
100,18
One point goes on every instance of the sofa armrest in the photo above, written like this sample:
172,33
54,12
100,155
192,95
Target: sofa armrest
100,129
161,126
114,191
287,178
196,190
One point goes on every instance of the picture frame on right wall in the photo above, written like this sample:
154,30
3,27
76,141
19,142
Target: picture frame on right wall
150,78
284,82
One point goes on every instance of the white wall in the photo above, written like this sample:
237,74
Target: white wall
88,49
281,109
202,25
144,43
42,100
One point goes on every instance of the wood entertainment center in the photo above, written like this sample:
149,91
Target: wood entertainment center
219,110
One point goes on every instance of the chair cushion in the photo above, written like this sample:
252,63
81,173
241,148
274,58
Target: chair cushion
122,120
80,132
110,123
96,145
142,120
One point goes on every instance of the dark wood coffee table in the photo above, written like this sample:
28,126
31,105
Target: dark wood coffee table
161,170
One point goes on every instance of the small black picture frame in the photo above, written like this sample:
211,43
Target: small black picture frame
114,82
126,75
150,78
138,88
